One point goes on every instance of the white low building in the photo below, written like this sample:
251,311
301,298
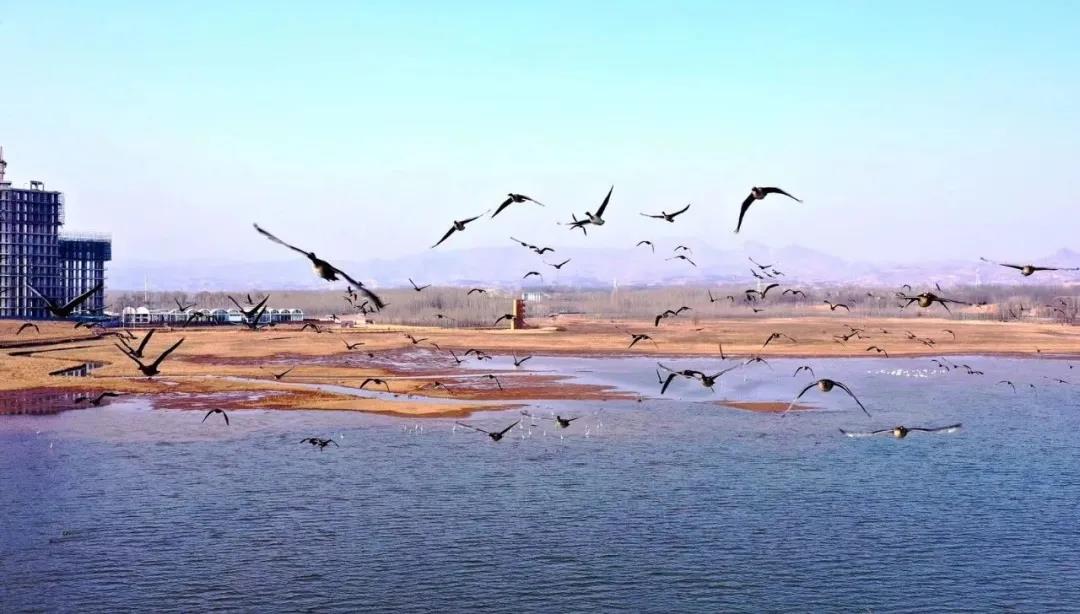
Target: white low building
144,316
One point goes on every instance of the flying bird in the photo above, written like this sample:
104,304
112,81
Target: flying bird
557,267
806,368
414,340
532,273
377,381
150,370
496,380
325,270
559,420
137,352
757,193
639,337
520,361
312,326
649,243
458,226
416,287
1011,385
777,336
250,313
65,310
494,435
513,198
476,290
877,349
319,442
96,401
682,257
926,299
835,306
181,306
668,217
278,376
217,411
352,346
901,432
505,316
27,325
762,293
826,385
1029,269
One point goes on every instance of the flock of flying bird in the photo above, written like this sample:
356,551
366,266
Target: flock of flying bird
364,300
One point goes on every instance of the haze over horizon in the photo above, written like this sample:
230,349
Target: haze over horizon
914,133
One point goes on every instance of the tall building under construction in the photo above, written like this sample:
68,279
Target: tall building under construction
34,252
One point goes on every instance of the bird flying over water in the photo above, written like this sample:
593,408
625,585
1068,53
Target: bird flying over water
217,411
520,361
319,442
901,432
458,226
826,385
96,401
324,269
878,350
494,435
777,336
806,368
377,381
757,193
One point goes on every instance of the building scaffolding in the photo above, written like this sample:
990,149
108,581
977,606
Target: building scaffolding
33,252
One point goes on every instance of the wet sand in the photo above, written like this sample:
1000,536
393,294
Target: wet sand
232,367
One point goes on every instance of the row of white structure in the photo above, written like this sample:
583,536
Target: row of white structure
142,316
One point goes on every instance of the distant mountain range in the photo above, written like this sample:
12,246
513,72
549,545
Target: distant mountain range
589,267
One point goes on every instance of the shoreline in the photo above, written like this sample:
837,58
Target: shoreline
216,366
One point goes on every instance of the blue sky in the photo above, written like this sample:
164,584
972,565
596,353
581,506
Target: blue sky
912,130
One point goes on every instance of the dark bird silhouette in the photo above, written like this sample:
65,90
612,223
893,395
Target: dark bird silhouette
416,287
375,380
806,368
1029,269
683,257
65,310
756,310
137,352
476,290
757,193
639,337
414,340
217,411
150,370
279,376
319,442
777,336
793,292
826,385
181,306
27,325
672,374
325,270
495,379
901,432
456,359
709,381
520,361
513,198
352,346
758,264
559,420
877,349
762,293
682,248
926,299
314,327
835,306
649,243
951,333
756,274
458,226
494,435
557,267
579,224
757,359
195,315
505,316
668,217
1011,385
532,273
96,401
250,313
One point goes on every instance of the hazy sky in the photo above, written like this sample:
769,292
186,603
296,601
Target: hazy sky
361,129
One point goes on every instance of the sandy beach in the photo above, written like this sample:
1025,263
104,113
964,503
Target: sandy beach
232,368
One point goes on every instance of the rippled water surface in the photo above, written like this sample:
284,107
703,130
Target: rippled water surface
672,504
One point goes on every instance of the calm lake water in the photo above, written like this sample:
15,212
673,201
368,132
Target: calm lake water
672,504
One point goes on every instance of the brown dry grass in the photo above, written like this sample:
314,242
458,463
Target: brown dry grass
197,366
